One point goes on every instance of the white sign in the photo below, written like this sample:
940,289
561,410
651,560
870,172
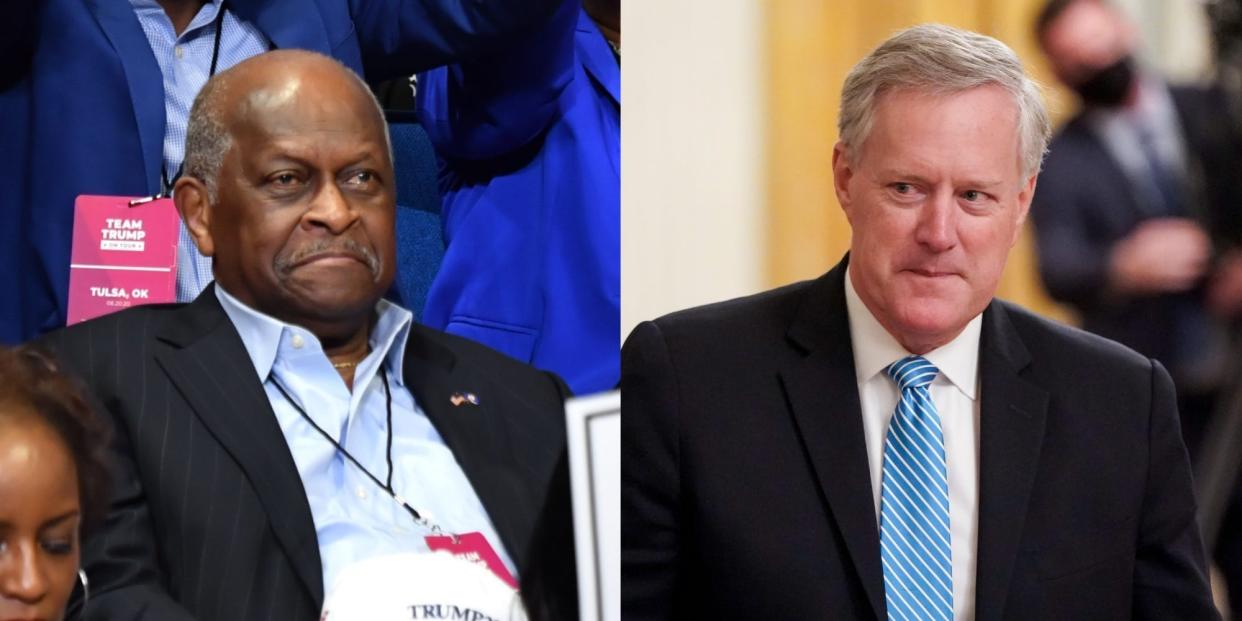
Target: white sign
594,427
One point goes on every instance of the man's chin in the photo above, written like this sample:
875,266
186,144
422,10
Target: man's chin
931,322
332,301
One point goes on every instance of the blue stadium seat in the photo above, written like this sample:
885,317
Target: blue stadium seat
420,242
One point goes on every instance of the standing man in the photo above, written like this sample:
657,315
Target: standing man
289,422
530,144
889,441
100,96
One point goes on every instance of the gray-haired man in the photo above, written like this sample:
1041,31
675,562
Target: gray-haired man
889,441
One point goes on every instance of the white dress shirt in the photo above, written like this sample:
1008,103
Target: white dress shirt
955,392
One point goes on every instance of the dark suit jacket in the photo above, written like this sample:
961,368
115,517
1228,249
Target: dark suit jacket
746,493
209,519
82,107
1085,203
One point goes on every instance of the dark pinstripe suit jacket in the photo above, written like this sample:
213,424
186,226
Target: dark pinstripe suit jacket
209,519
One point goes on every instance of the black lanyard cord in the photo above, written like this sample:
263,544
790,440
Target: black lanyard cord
388,407
388,488
166,191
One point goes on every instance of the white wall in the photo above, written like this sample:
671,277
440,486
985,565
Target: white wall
1175,36
692,229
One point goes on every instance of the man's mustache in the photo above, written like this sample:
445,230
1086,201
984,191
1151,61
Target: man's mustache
346,247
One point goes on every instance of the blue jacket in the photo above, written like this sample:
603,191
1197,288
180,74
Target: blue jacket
529,141
85,114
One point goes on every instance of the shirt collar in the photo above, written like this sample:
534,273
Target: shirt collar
261,334
206,14
875,348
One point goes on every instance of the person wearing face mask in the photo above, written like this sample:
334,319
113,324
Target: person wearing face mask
53,485
1125,208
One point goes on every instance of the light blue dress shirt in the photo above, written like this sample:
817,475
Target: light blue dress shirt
354,518
185,62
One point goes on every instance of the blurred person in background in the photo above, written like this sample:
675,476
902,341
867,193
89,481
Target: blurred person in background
1124,210
53,485
95,97
529,140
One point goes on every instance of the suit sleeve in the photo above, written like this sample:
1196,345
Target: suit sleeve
120,559
650,477
486,107
1073,264
1170,573
402,37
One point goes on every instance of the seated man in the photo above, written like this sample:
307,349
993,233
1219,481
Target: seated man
289,422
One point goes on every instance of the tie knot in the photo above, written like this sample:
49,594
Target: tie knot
912,372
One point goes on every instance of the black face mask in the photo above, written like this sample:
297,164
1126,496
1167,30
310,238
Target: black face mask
1109,86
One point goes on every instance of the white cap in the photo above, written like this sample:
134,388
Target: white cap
428,585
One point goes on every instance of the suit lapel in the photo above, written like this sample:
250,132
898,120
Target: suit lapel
143,76
478,435
1011,421
823,393
209,366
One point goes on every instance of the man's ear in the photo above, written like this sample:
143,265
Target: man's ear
194,204
842,173
1025,196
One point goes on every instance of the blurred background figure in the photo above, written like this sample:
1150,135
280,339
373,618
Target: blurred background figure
1124,214
1127,188
53,485
529,144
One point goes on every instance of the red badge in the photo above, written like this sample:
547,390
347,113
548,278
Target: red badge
472,547
122,256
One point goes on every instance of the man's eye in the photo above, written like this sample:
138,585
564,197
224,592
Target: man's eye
903,188
287,178
973,195
362,177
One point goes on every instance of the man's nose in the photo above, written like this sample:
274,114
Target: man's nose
22,574
331,209
937,226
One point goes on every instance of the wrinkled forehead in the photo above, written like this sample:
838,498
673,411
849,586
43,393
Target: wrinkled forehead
905,110
304,102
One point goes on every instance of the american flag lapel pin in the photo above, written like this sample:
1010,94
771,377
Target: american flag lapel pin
463,398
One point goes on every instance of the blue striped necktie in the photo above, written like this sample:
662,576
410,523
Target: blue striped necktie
914,502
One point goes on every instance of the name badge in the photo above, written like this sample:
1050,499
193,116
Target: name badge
122,255
472,547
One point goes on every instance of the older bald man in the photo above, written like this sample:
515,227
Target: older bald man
290,422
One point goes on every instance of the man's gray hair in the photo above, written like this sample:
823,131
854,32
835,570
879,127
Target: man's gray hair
943,60
207,140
